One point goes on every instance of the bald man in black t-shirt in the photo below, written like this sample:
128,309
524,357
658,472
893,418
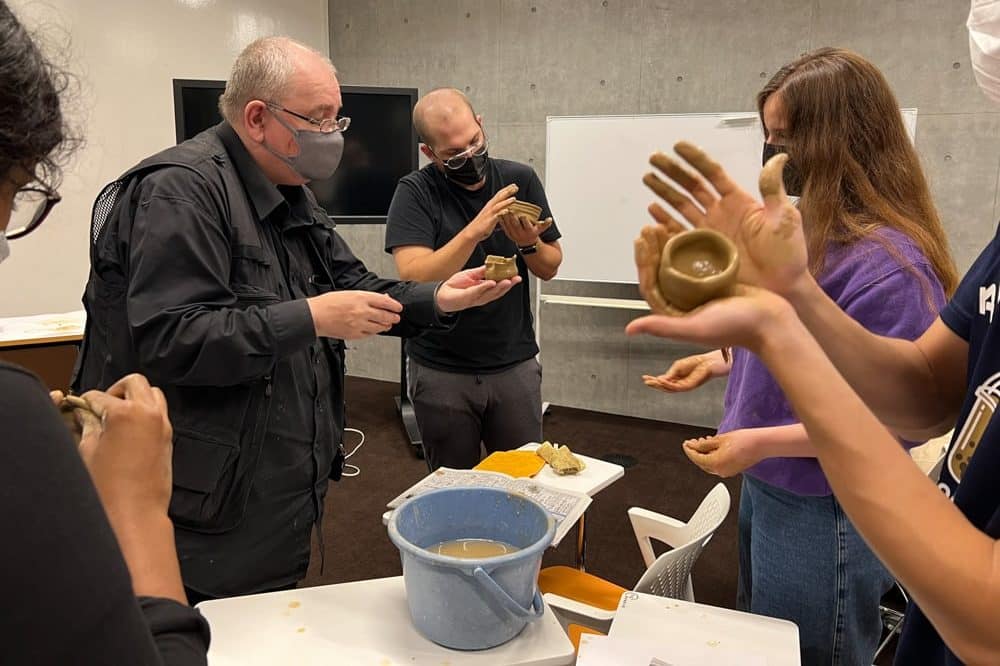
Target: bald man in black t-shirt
480,381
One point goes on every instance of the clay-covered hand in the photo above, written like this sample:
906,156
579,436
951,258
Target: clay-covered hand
485,223
77,413
129,455
521,229
744,319
469,288
687,373
723,455
768,234
648,250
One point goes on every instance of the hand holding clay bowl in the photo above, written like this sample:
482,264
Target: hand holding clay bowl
529,212
680,271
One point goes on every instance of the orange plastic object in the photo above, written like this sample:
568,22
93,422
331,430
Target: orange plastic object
576,630
580,586
514,463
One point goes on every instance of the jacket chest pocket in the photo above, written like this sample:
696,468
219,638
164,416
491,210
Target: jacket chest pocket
251,266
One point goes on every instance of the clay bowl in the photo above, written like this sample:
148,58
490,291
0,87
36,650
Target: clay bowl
697,266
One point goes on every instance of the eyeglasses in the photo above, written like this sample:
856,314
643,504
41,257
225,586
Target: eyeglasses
31,207
458,161
326,126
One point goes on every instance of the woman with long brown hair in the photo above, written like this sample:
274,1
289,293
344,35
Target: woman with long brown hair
877,248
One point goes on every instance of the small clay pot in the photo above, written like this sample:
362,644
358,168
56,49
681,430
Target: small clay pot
697,266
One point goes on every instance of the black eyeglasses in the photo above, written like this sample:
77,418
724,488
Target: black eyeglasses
326,126
478,150
31,206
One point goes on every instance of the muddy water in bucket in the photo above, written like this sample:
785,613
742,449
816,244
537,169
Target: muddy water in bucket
471,603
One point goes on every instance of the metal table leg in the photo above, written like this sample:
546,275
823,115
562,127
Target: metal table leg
405,407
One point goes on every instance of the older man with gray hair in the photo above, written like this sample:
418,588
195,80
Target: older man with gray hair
215,273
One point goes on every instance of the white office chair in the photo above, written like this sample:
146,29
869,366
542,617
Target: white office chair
581,598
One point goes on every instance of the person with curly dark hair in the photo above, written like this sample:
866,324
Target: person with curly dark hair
89,568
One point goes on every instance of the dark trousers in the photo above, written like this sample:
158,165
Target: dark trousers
458,413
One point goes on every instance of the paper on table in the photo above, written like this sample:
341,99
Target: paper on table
566,506
596,650
42,326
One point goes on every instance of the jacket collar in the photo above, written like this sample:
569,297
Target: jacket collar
263,194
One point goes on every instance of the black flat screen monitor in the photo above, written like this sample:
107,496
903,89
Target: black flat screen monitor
380,147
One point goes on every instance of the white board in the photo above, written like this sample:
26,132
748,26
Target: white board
593,178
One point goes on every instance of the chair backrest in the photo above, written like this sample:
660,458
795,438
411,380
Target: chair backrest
931,455
934,473
669,575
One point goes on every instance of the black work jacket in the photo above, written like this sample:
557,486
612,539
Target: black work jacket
199,272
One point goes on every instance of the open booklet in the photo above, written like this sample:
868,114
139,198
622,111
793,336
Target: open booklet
566,506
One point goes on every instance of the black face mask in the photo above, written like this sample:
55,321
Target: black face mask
791,175
470,173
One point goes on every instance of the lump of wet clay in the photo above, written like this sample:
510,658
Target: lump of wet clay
500,268
697,266
78,415
560,458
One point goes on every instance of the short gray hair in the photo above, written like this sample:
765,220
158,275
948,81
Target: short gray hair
262,71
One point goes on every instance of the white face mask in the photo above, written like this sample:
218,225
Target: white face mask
984,46
4,246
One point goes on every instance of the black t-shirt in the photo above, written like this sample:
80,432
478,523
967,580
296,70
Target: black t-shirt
68,596
429,210
972,467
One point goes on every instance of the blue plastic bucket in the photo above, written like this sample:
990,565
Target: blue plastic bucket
471,604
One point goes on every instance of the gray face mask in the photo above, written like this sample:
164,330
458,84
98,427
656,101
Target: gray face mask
319,153
4,247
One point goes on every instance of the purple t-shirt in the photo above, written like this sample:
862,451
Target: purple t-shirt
880,293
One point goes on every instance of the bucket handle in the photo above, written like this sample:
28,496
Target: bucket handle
537,605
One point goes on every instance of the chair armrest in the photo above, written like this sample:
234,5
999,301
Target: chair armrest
570,611
639,512
648,525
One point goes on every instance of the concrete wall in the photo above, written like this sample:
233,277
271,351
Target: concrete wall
521,60
124,55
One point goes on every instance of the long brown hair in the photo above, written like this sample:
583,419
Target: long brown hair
859,169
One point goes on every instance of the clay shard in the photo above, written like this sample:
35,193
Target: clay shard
560,458
500,268
523,209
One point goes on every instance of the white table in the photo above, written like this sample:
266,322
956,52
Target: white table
363,623
41,330
645,617
595,477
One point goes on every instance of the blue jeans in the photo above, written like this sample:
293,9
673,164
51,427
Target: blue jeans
802,560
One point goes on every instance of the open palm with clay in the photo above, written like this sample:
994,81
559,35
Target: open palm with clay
767,234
